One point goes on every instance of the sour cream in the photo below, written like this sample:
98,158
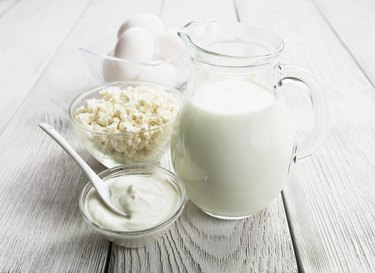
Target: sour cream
147,201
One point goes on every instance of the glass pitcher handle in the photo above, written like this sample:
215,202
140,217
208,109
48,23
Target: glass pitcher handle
319,103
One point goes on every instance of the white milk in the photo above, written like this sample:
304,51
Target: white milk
232,148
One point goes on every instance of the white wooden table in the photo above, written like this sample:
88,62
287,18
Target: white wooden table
324,221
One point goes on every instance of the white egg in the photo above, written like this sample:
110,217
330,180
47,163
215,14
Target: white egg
149,22
156,55
109,70
113,71
165,74
137,45
169,44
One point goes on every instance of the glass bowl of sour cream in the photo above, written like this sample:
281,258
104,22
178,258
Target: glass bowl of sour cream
152,196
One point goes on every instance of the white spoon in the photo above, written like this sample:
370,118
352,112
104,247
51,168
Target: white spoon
96,181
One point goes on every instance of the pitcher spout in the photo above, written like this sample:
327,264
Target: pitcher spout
186,32
230,44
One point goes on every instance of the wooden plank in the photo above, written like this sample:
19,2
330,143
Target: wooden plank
330,197
197,242
179,13
200,243
41,227
31,32
7,5
357,35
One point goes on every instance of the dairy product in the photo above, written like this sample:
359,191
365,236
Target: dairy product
232,97
128,125
232,147
147,201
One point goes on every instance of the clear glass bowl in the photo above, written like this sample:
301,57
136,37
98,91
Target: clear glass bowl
115,149
139,238
107,68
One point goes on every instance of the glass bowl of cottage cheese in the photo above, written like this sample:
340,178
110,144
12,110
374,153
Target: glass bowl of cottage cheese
126,122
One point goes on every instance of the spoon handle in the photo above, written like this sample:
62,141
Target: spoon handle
95,179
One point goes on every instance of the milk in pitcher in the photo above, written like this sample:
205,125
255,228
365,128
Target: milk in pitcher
232,147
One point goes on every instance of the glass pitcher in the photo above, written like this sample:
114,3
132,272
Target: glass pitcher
233,143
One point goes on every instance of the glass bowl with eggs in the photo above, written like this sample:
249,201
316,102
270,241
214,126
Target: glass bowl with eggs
126,122
141,49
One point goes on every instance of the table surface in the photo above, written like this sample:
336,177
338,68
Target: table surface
324,220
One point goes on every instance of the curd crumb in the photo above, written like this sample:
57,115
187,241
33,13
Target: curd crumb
131,124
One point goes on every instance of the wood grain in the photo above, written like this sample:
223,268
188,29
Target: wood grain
357,34
197,242
7,5
179,13
200,243
330,196
31,32
41,227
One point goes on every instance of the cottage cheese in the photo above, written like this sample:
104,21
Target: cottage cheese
129,125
